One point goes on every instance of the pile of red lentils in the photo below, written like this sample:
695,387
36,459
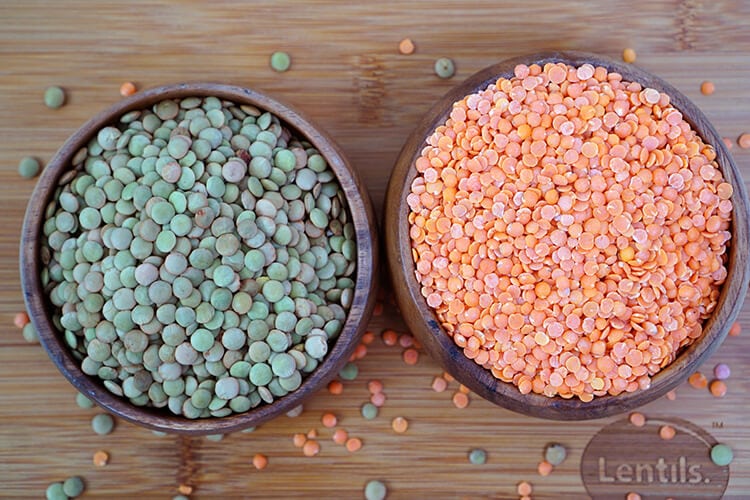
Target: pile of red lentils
570,230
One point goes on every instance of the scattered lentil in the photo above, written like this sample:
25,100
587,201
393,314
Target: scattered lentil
390,337
667,432
329,420
555,453
439,384
20,319
444,67
28,167
83,402
349,371
743,141
721,454
353,444
400,425
311,448
74,486
539,233
718,388
299,440
54,97
55,492
544,468
260,461
127,89
185,489
524,488
280,61
735,329
629,55
406,46
369,411
375,386
477,456
722,371
460,400
637,419
102,423
375,490
378,399
340,436
707,88
101,458
671,395
30,334
698,381
368,338
633,496
335,387
411,356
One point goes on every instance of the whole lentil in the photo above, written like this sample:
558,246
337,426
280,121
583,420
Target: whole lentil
722,371
21,319
444,67
477,456
83,402
544,468
718,388
667,432
375,490
708,88
54,97
28,167
721,454
30,334
260,461
102,423
637,419
369,411
555,453
55,491
547,213
127,89
73,486
214,259
400,425
629,55
280,61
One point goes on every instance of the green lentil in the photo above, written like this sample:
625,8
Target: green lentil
54,97
369,411
55,491
721,454
28,167
73,486
280,61
102,423
555,454
375,490
444,67
83,402
349,371
179,274
477,456
29,333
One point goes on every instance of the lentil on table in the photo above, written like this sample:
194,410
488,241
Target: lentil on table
200,257
570,230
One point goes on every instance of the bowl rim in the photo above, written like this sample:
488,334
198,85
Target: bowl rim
422,320
360,209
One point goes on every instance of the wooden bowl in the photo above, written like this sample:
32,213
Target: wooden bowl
40,309
424,323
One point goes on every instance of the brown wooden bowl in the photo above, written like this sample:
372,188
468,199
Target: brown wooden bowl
424,323
40,309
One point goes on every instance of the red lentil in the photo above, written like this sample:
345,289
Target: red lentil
20,319
744,141
390,337
448,377
544,468
671,395
707,88
524,488
335,387
185,489
637,419
460,400
375,386
311,448
735,329
329,420
378,399
411,356
400,424
353,444
594,186
312,433
299,440
718,388
439,384
633,496
367,338
666,432
340,436
260,461
406,46
127,89
628,55
698,381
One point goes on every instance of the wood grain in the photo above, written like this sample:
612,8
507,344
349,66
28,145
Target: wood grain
425,323
347,76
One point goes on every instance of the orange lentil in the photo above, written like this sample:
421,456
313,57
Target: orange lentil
735,329
633,496
375,386
718,388
390,337
340,436
460,400
698,381
359,352
260,461
20,319
637,419
707,88
184,489
743,141
671,395
524,488
127,89
564,211
367,338
667,432
406,46
439,384
311,448
400,424
101,458
299,440
353,444
378,399
411,356
463,389
448,377
544,468
335,387
628,55
329,420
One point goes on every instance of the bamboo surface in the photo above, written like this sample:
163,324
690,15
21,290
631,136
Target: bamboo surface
346,75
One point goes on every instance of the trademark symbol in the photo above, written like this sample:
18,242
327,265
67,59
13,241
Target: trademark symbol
717,425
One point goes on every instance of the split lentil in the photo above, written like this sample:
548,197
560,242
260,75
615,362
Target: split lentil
353,444
698,381
667,432
743,141
570,230
735,329
340,436
637,419
260,461
406,46
200,258
718,388
101,458
127,89
400,425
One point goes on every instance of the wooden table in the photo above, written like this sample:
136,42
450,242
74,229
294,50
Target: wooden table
348,75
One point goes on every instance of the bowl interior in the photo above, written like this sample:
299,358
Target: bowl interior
40,309
423,321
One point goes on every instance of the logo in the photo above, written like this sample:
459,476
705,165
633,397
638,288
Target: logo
622,458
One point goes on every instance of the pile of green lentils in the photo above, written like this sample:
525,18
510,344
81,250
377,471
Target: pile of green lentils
199,257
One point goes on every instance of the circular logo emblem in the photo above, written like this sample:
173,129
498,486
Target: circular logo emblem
622,458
